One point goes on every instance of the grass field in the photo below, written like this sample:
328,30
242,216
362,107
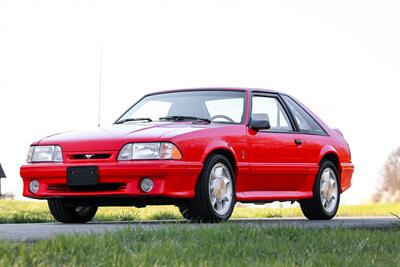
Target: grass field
221,245
14,211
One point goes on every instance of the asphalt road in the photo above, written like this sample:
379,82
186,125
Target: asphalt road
38,231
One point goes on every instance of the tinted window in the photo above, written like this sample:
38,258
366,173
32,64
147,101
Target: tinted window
218,106
270,108
220,109
306,123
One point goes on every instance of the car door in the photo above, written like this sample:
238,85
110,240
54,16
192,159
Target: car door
312,135
275,154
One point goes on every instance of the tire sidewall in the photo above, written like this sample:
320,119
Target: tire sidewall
62,212
210,163
325,165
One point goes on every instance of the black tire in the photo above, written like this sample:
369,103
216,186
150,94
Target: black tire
64,213
313,208
200,208
185,211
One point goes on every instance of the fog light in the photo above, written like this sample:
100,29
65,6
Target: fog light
146,185
34,186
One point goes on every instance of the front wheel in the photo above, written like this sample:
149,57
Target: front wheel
64,213
326,199
215,193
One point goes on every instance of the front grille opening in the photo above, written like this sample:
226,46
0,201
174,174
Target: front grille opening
56,187
97,187
88,188
90,156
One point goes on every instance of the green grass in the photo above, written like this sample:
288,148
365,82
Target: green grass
218,245
16,211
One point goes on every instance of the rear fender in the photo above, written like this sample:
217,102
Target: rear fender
328,149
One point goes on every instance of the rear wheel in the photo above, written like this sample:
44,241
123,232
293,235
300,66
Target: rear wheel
215,193
326,199
64,213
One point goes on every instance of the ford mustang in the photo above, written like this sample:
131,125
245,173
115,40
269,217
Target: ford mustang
202,150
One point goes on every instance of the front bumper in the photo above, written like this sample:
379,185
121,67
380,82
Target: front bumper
172,179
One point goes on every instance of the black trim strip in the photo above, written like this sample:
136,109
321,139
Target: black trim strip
298,127
283,104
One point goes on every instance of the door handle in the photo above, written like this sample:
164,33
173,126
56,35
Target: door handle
298,142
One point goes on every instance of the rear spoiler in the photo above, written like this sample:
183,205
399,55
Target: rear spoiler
2,174
338,132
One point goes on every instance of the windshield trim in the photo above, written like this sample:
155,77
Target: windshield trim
242,121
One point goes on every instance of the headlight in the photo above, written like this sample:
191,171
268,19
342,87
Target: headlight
44,154
146,151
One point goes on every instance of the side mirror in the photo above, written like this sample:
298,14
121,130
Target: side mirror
259,124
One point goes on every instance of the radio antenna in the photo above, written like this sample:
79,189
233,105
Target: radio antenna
101,67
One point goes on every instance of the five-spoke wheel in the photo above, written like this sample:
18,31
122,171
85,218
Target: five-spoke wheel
215,192
329,190
221,188
325,202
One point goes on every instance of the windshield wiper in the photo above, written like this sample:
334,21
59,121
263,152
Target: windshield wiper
181,118
133,119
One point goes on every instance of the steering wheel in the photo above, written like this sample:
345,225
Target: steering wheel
222,117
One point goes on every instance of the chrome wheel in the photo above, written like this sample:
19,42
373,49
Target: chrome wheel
215,195
220,189
329,190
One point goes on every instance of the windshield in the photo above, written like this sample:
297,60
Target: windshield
215,106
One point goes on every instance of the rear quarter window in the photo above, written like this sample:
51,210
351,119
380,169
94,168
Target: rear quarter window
306,123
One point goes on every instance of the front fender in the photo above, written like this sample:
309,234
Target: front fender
218,145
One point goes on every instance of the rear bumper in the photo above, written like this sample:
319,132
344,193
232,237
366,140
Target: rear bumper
347,170
172,179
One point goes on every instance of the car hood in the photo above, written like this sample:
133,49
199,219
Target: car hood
113,137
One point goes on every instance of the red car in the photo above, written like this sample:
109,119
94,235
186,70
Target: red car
199,149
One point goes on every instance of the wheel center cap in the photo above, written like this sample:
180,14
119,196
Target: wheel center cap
220,189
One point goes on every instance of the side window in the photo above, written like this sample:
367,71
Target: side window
270,108
306,123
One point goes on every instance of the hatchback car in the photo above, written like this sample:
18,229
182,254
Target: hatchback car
202,150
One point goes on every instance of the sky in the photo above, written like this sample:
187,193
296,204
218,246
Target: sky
340,58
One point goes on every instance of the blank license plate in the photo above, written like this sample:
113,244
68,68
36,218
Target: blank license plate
87,175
